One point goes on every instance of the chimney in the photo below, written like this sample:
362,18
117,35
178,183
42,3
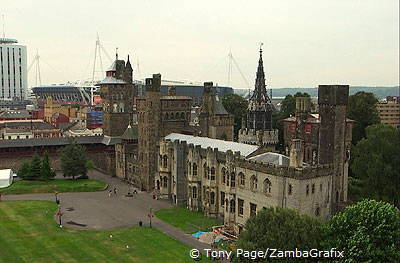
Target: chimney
296,153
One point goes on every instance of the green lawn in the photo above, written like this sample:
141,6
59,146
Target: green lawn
28,233
59,185
188,221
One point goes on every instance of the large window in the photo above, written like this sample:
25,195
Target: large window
205,170
165,161
212,173
242,179
194,169
240,207
233,180
223,173
222,198
233,206
212,198
267,186
253,182
253,209
194,193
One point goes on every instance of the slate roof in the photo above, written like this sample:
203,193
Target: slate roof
112,80
274,158
58,141
219,109
131,133
223,146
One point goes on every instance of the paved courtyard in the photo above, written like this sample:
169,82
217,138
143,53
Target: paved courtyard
98,211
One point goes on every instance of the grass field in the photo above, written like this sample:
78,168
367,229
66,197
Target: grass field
59,185
188,221
28,233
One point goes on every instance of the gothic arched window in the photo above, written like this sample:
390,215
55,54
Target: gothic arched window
194,169
223,173
212,173
253,182
233,206
233,179
267,186
242,179
212,198
194,193
165,158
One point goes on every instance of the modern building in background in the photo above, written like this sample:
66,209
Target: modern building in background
13,70
389,111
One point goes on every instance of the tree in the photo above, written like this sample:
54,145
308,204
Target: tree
35,167
237,106
362,109
73,160
375,163
368,231
46,172
288,104
25,171
280,228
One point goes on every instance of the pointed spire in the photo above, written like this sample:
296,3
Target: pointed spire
116,53
260,93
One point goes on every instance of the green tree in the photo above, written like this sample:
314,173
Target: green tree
362,109
73,160
368,231
35,167
288,104
237,106
46,172
279,228
375,162
25,171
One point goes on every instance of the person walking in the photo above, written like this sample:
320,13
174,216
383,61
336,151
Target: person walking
115,190
109,193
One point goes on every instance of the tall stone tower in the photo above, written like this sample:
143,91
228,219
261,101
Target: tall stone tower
258,127
215,122
335,138
149,122
117,91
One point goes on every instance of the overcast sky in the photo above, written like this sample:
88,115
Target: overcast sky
307,42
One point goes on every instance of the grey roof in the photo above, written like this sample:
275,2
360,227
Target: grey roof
58,141
112,80
19,114
27,125
274,158
113,66
223,146
131,133
219,109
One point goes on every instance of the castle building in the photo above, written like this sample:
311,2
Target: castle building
233,180
117,92
215,122
257,129
157,116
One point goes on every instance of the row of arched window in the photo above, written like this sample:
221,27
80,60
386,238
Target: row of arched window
174,116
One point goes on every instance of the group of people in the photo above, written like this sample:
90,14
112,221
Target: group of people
114,191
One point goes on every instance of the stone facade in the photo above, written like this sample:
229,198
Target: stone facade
157,116
257,129
215,122
231,183
117,92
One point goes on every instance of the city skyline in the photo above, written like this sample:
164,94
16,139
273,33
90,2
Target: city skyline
305,43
